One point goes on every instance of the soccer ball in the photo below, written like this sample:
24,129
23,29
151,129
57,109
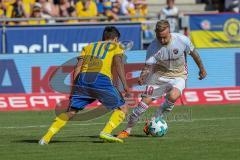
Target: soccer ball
158,127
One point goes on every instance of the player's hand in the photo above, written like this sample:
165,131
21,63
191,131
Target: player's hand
202,74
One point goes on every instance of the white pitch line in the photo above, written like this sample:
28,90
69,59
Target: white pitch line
214,119
43,126
90,124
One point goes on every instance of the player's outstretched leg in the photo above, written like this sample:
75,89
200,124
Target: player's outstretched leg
115,120
59,122
134,117
168,104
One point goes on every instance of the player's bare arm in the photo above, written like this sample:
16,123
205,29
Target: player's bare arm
118,62
198,61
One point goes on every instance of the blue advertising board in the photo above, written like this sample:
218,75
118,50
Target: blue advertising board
237,62
53,39
1,40
31,73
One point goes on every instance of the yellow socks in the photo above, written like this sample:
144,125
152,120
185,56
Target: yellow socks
59,122
116,118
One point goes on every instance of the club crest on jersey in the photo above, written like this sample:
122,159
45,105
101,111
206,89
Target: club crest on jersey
175,51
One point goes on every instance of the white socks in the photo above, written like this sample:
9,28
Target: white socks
133,118
166,106
136,113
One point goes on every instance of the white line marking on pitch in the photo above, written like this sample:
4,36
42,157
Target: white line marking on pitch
89,124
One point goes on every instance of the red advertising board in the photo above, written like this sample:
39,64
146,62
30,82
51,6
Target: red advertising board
49,101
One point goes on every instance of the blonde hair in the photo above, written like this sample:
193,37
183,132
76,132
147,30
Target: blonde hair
162,25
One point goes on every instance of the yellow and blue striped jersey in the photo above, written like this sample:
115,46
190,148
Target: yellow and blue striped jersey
98,57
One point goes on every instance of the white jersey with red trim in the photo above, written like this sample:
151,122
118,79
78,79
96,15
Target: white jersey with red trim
170,60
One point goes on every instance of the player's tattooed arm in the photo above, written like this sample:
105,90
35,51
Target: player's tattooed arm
76,72
198,61
77,68
118,62
145,72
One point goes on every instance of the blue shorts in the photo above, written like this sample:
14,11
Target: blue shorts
95,86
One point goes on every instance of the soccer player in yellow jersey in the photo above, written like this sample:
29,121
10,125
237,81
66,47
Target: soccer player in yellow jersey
93,81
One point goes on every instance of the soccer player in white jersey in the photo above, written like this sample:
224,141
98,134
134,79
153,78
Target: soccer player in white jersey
165,72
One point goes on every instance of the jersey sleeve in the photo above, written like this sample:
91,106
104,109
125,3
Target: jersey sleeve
119,50
85,51
82,54
151,60
189,45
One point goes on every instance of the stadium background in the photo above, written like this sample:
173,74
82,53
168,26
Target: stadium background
33,46
44,46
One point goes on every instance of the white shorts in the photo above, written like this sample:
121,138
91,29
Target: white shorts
159,86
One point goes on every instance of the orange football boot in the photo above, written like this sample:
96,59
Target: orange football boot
145,128
123,134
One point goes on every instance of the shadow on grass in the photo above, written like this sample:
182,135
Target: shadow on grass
96,140
36,141
139,136
88,139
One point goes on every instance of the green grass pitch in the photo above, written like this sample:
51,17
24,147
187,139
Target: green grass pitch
195,133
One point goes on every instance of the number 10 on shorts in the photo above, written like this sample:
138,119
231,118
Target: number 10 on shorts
149,90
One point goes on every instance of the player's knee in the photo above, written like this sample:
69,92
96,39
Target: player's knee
72,113
174,95
124,109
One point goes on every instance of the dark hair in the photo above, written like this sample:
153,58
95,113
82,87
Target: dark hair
110,32
70,10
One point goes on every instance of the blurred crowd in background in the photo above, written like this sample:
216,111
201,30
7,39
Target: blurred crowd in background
137,10
222,5
112,9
